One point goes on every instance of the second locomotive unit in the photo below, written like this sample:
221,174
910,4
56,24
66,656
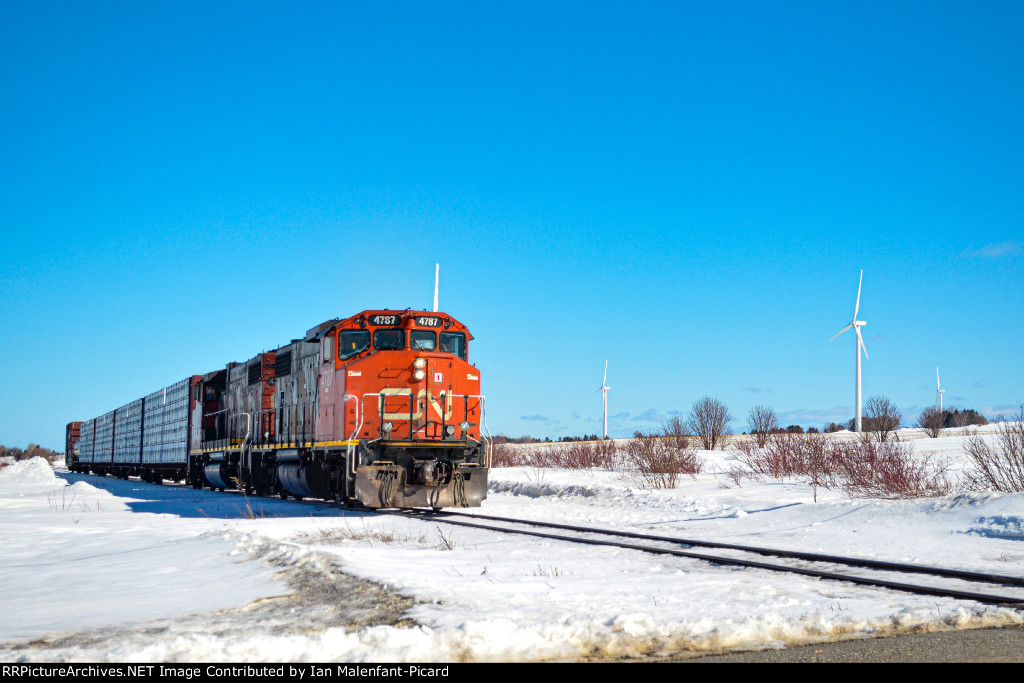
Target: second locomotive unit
381,409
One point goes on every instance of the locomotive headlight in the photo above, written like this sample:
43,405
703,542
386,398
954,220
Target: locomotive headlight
463,425
388,426
419,363
419,375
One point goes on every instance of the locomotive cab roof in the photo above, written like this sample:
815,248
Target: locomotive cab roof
406,318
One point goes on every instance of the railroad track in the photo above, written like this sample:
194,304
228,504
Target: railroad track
808,564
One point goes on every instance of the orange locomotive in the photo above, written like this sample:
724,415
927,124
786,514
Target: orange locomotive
382,409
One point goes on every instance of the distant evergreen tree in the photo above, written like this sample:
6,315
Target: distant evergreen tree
962,418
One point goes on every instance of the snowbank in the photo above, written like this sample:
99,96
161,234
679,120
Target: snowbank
35,470
365,588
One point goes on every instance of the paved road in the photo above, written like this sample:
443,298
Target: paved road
986,645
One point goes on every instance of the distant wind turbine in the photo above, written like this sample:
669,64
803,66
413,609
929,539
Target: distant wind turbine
938,390
856,325
604,395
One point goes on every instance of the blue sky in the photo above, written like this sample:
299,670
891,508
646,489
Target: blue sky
688,190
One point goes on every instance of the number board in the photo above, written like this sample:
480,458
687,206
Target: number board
428,321
384,319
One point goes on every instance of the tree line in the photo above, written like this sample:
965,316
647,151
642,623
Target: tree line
709,420
31,452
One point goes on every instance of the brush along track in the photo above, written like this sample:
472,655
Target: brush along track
586,535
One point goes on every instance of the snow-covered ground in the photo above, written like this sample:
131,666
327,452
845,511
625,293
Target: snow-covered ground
103,569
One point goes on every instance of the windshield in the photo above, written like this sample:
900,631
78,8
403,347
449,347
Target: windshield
423,340
454,342
389,340
352,343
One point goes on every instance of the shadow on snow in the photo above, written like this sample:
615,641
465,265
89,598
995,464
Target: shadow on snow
184,501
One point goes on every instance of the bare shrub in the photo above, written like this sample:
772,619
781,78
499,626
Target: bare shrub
889,469
708,420
546,456
573,455
884,469
780,457
744,448
762,421
998,466
812,457
654,461
444,542
579,455
677,432
604,453
737,474
504,454
930,420
882,417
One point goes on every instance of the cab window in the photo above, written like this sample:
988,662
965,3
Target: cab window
389,340
423,340
352,343
454,342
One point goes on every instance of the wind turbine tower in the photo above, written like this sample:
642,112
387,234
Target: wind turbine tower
856,325
604,396
939,391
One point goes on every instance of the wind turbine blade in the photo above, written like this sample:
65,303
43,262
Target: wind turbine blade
860,340
857,307
842,330
937,385
605,380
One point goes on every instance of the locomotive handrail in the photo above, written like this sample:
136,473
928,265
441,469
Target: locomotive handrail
360,420
248,430
287,429
349,448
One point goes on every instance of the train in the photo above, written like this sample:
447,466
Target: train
378,410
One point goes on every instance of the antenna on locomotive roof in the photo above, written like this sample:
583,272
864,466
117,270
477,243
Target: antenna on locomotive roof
437,274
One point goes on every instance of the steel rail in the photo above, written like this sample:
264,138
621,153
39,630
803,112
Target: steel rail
985,598
812,557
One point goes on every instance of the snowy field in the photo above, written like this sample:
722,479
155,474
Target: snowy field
98,569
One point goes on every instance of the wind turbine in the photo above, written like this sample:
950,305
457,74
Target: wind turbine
938,391
604,395
856,325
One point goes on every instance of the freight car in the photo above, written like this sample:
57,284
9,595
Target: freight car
381,409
